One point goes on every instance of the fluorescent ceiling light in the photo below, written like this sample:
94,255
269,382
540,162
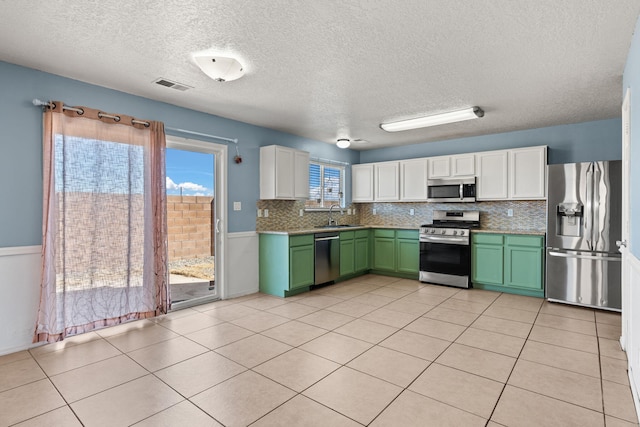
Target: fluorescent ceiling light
343,143
436,119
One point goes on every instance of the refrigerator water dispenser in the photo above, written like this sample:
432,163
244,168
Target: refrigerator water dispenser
570,219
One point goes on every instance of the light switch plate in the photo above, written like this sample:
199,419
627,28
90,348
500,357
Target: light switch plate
509,212
412,211
348,211
259,213
301,212
266,213
237,206
375,211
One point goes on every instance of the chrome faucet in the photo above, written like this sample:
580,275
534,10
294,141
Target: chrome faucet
331,220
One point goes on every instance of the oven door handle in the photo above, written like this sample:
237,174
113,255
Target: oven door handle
452,240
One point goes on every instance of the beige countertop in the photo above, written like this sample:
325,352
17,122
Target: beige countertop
496,231
296,231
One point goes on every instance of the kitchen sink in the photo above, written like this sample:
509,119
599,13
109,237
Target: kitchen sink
337,226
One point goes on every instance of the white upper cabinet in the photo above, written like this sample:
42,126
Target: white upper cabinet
413,180
527,173
517,174
362,183
387,181
452,166
492,177
301,175
439,167
284,173
463,165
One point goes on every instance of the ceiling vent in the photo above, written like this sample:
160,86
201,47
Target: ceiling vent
173,85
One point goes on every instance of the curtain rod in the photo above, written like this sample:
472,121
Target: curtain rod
40,103
206,135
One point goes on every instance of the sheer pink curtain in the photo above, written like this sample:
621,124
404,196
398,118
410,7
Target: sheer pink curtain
104,249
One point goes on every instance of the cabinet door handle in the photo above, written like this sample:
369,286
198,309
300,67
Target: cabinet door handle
217,226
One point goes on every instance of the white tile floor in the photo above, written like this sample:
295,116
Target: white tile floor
374,351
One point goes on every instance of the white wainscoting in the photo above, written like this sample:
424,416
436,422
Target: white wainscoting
242,264
19,296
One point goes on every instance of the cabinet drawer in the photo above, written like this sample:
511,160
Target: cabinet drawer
407,234
517,240
347,235
361,233
487,239
384,233
305,239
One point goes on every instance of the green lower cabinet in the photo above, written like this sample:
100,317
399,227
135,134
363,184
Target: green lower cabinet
523,267
286,264
361,254
384,254
301,266
487,260
347,256
508,263
396,253
408,256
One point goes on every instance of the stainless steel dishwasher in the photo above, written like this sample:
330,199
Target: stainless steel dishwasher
327,259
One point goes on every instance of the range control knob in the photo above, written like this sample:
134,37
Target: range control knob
462,232
433,230
455,232
443,232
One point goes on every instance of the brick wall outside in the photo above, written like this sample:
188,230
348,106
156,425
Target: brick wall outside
189,226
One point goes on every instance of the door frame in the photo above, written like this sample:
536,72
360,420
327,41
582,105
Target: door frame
219,152
625,338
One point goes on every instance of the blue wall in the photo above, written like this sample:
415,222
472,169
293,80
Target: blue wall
21,146
631,79
582,142
21,151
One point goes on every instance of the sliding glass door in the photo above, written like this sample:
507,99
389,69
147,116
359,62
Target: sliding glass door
195,211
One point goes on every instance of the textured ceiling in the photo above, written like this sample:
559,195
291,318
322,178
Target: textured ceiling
338,68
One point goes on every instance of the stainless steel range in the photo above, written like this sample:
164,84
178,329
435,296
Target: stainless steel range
445,248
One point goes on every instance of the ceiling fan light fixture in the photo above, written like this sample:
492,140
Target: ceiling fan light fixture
219,68
434,120
343,143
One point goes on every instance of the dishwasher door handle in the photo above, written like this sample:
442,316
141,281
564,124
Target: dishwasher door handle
318,239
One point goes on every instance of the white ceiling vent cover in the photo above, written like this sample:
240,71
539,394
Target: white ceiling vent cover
219,68
172,85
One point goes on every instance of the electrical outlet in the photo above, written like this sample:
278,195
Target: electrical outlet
301,212
348,211
237,206
259,213
412,212
509,212
354,211
375,211
266,213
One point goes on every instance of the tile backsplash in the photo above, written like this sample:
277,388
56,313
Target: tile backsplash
528,215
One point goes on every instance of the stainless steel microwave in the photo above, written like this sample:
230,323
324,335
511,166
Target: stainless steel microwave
451,190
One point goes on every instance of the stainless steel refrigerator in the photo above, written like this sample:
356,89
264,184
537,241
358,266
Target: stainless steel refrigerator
584,222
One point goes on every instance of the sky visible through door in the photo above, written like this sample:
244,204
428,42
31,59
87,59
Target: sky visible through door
189,173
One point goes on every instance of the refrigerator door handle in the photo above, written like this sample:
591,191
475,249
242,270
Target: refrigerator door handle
581,256
588,224
595,222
